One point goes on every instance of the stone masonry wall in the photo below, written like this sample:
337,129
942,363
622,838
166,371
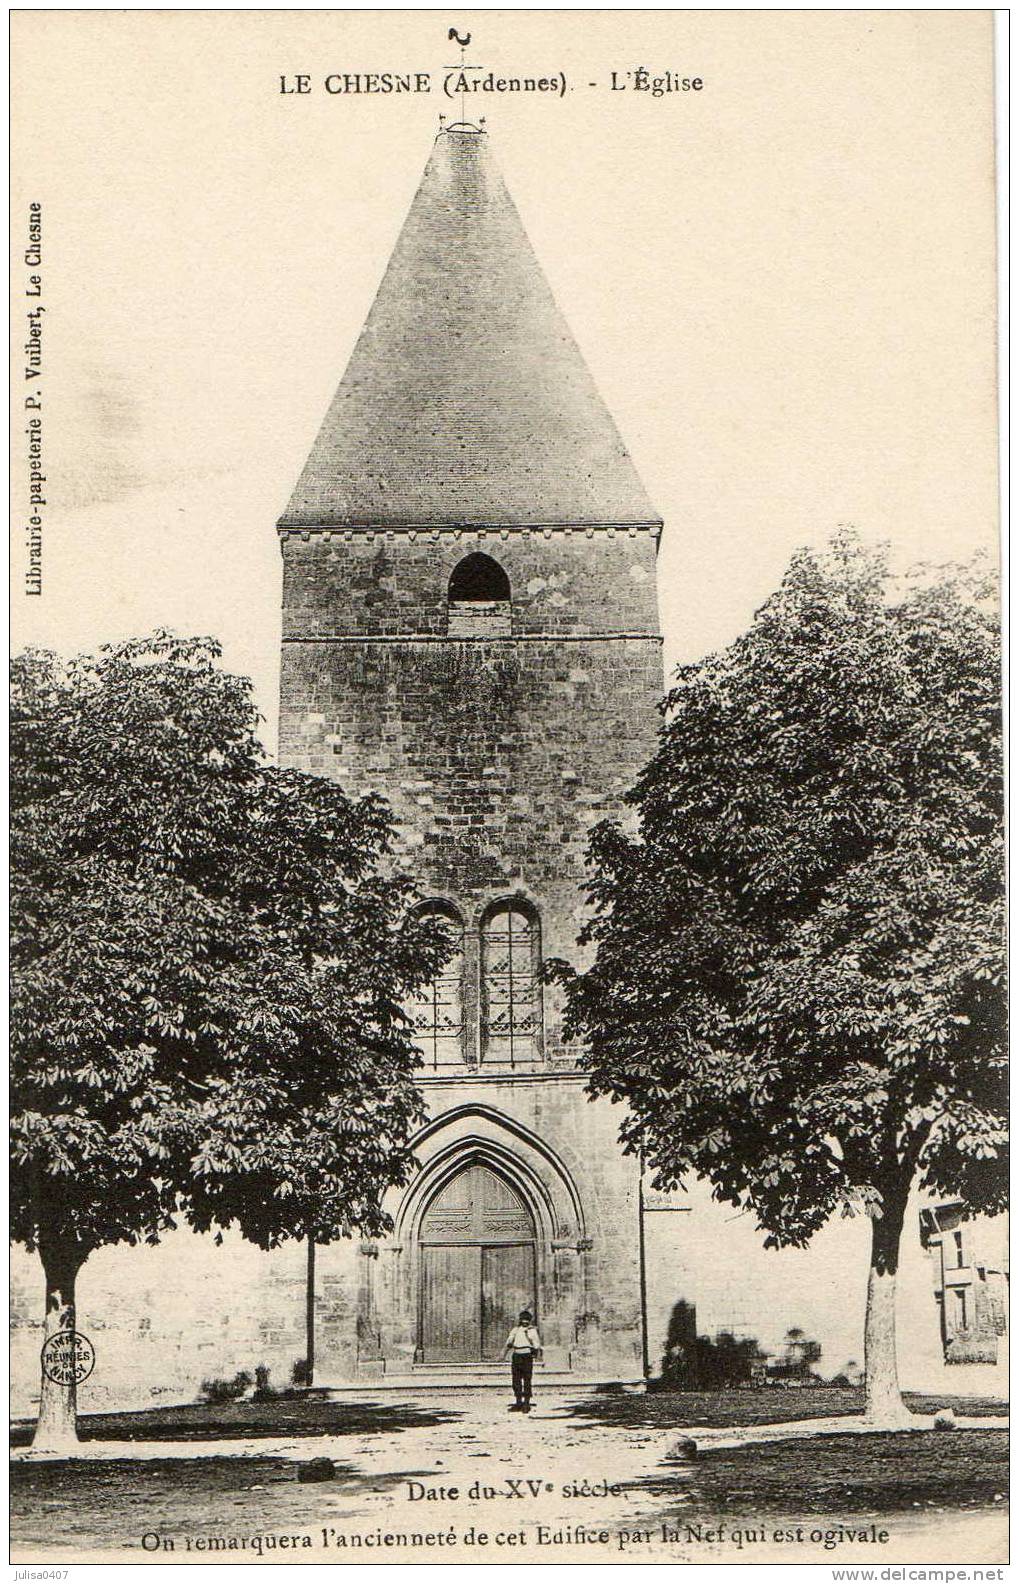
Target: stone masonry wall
496,755
564,582
588,1266
163,1319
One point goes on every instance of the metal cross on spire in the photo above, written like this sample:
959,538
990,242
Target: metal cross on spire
463,43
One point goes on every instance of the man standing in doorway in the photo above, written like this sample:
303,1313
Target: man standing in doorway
524,1345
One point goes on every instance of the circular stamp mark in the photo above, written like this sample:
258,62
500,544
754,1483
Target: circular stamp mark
68,1356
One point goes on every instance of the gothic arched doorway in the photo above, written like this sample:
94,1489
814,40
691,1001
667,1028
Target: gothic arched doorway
477,1265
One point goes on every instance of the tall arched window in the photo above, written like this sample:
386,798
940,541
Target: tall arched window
437,1010
511,987
478,599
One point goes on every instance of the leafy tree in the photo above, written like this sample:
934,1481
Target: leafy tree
797,981
209,960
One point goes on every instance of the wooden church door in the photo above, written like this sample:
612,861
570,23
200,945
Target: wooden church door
477,1267
507,1286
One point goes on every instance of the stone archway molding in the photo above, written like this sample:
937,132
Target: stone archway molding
456,1157
479,1134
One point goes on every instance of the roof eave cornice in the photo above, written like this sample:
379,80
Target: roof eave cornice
371,530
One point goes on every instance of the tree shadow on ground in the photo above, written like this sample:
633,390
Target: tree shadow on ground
111,1503
253,1421
660,1410
837,1476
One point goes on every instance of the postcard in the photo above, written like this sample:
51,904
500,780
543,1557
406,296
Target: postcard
508,1011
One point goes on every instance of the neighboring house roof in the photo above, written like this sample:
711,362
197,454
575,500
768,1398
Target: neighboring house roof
466,399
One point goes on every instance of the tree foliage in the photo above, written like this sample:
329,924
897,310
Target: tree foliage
797,974
209,961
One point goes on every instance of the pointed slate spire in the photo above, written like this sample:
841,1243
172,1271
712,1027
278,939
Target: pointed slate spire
466,399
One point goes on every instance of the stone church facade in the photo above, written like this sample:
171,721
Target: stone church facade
470,628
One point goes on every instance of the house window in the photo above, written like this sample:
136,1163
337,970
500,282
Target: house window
478,599
960,1302
437,1010
511,989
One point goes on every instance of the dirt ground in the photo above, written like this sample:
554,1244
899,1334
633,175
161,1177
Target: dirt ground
598,1479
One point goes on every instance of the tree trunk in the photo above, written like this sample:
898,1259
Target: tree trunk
56,1433
884,1403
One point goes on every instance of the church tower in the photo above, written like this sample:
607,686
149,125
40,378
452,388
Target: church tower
470,628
